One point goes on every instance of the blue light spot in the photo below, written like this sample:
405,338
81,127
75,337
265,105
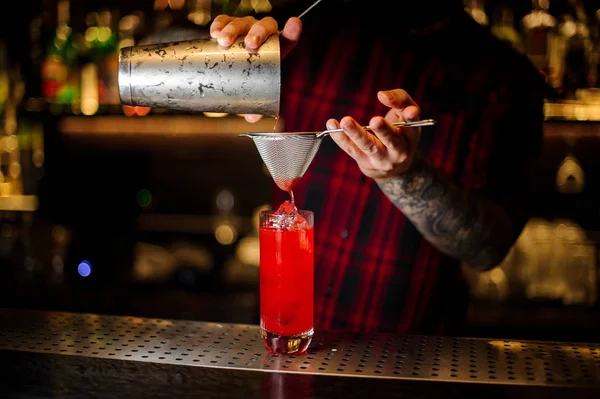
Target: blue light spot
85,268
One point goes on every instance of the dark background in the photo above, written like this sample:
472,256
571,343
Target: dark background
91,206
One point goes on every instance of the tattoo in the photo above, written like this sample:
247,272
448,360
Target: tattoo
475,231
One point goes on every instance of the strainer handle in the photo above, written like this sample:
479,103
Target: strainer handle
424,122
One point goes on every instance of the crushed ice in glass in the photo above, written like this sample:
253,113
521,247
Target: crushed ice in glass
287,217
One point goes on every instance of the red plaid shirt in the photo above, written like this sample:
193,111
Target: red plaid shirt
373,269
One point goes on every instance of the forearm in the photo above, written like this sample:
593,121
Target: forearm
475,231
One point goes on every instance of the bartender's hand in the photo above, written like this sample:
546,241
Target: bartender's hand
388,151
225,29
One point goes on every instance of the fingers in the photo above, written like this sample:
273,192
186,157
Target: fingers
252,118
344,142
218,24
411,113
235,28
393,141
363,140
384,131
387,150
260,31
226,29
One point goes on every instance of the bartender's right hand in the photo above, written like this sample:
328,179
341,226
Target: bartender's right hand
226,28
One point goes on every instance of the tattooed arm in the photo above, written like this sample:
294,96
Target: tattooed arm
478,232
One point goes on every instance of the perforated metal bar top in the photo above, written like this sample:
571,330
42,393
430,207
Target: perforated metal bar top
233,346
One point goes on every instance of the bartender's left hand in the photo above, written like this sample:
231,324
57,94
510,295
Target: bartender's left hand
390,150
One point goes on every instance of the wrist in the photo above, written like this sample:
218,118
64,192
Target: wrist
416,166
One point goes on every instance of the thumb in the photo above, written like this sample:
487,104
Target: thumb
290,35
396,98
401,102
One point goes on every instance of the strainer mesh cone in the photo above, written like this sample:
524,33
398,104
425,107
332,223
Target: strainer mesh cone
286,155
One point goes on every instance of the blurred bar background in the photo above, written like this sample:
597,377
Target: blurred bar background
125,210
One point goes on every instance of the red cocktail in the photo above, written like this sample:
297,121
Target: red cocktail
286,279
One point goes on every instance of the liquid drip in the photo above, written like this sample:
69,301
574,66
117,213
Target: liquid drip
284,184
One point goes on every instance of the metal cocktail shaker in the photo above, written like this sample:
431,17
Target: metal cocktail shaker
200,75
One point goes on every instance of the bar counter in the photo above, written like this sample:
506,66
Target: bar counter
72,355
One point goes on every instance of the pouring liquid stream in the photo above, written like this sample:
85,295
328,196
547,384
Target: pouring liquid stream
277,116
291,192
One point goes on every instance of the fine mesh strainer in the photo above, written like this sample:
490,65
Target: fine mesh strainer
288,155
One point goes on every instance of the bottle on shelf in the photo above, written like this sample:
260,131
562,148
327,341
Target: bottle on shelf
38,37
577,50
4,80
539,33
595,58
476,9
99,85
503,27
60,75
199,12
89,58
108,61
130,28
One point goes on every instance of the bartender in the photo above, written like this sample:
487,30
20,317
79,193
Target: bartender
397,211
